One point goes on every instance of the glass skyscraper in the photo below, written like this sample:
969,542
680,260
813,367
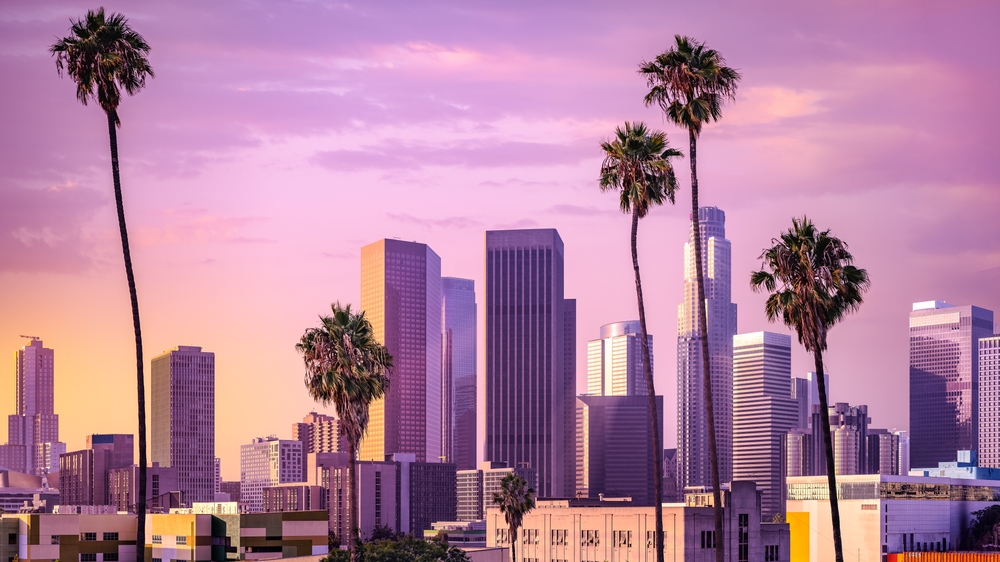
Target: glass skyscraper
401,297
693,466
614,362
182,416
530,370
944,380
458,372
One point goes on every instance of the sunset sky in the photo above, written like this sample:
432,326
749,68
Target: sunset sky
277,138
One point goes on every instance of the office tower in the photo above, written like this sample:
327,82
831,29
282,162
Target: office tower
799,455
267,461
670,492
469,495
83,475
428,493
495,472
944,379
694,468
989,402
232,487
294,497
529,379
218,478
904,452
458,371
319,433
613,451
883,452
401,296
119,446
161,484
805,392
849,431
33,443
379,497
182,432
614,362
763,413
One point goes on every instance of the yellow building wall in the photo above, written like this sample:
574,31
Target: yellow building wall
798,530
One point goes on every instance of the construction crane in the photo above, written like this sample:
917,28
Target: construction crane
32,338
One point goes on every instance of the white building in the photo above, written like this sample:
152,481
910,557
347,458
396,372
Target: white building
989,402
614,362
883,513
267,462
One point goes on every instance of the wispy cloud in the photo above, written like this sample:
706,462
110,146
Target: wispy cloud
447,222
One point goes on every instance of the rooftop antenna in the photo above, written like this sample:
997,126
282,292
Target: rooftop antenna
32,338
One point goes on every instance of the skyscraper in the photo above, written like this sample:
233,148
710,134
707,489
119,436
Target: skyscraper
530,381
763,413
614,362
458,371
805,392
989,402
849,433
401,297
267,462
694,468
182,433
319,433
944,379
33,431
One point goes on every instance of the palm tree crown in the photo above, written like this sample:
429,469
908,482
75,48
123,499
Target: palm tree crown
690,83
637,162
103,56
812,282
515,499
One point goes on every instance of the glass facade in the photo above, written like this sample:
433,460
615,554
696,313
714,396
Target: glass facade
693,468
944,380
895,490
458,372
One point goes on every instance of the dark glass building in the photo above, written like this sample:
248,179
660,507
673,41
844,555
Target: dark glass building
458,372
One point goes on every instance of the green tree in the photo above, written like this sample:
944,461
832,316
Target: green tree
515,499
346,366
813,284
104,55
637,166
984,532
690,83
403,548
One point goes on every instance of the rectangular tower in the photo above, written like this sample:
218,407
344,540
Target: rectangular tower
944,379
989,402
401,297
763,413
693,466
529,402
182,433
458,371
33,431
614,362
267,462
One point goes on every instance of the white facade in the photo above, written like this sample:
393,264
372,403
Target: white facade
267,462
693,466
614,362
989,402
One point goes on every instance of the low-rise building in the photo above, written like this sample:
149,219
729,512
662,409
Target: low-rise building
162,490
461,534
294,497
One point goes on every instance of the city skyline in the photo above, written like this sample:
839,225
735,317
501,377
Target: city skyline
234,164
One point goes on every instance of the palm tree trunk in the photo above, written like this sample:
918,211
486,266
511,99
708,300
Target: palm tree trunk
513,543
713,449
354,540
140,508
653,418
831,474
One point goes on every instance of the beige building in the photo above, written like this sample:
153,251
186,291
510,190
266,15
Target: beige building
584,530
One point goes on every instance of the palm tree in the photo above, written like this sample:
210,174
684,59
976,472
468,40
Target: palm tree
690,83
515,499
812,285
637,165
103,55
347,367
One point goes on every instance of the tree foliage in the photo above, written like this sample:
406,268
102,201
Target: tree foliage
402,549
984,533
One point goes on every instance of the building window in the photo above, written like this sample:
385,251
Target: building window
110,557
88,536
708,539
88,558
182,540
744,537
157,560
590,538
559,537
503,536
54,539
110,536
623,539
530,536
12,538
771,553
157,539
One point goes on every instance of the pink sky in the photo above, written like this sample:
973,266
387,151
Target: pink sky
278,138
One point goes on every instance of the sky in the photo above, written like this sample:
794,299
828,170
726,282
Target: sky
277,138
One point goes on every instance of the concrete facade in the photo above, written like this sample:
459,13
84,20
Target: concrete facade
268,461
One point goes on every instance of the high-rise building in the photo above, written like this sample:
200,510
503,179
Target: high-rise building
83,475
182,433
799,456
120,447
670,492
161,485
883,452
614,362
849,432
944,379
33,443
989,402
694,468
613,453
267,461
401,296
458,372
805,392
319,433
495,472
763,413
530,375
469,495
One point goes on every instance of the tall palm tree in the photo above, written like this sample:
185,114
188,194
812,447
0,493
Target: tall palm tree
637,165
515,500
104,55
812,285
690,83
346,366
